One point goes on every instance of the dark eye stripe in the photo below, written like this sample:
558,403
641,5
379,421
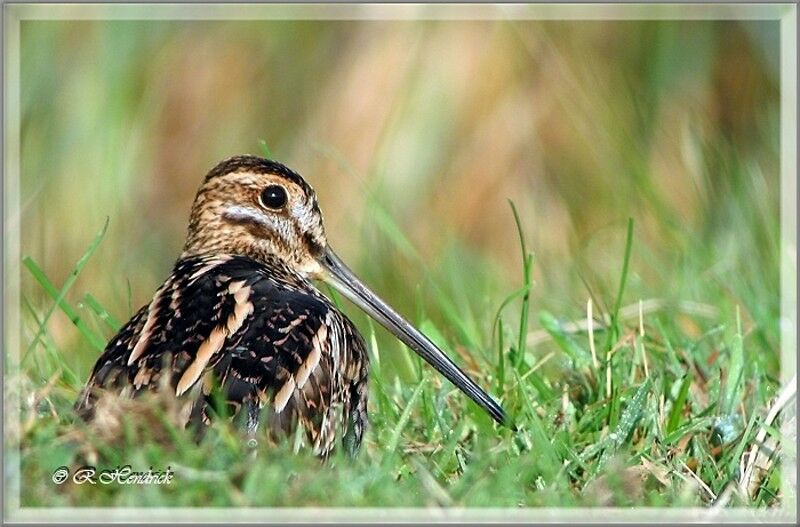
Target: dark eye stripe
313,247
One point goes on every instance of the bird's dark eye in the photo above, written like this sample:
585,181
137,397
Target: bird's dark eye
274,197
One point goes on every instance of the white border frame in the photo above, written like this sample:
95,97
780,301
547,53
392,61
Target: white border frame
13,14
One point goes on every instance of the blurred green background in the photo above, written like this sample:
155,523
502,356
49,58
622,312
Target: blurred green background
415,134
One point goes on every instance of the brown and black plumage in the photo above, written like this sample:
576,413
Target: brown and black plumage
240,316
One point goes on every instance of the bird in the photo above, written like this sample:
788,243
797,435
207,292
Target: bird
241,320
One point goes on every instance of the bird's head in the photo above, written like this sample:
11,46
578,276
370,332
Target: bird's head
254,207
258,208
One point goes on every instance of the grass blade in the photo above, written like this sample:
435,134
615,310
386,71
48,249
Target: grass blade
576,353
627,422
547,459
55,360
527,265
93,304
735,370
613,334
58,296
677,408
265,151
394,439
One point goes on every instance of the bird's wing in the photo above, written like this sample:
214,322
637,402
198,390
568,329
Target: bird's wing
167,333
264,339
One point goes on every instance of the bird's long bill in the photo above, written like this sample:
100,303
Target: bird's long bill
343,279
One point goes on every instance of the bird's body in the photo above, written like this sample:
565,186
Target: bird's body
239,316
279,350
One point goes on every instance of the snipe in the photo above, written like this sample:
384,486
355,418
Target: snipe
239,316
